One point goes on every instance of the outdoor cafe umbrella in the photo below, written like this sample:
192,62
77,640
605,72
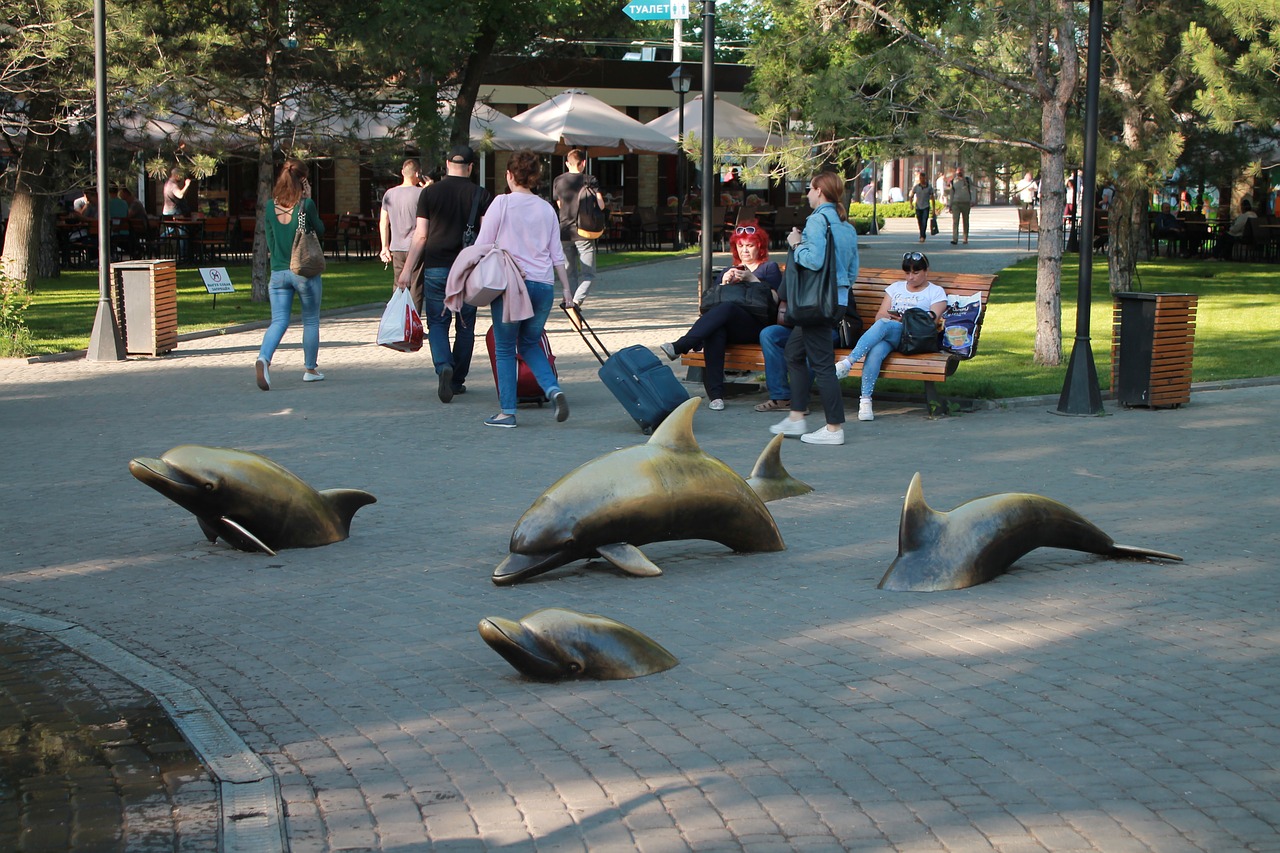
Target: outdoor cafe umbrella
492,130
578,120
731,123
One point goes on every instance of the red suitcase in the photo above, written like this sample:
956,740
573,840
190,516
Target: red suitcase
527,388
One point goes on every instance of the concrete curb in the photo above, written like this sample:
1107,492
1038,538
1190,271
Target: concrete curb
251,813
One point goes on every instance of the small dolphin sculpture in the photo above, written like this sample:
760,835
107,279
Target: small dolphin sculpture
770,480
981,539
664,490
553,643
248,500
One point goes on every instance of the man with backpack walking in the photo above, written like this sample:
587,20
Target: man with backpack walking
449,214
960,198
583,218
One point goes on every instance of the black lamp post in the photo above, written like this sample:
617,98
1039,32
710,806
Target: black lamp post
709,228
681,80
1080,392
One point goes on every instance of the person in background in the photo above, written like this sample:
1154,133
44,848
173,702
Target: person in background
728,322
811,346
960,198
1167,226
439,232
175,194
1227,241
290,196
579,251
916,291
1026,189
922,196
527,227
396,223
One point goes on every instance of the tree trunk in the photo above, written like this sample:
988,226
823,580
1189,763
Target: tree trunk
30,244
1127,241
465,102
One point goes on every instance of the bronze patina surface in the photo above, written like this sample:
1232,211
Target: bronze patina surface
555,643
248,500
770,480
664,490
981,539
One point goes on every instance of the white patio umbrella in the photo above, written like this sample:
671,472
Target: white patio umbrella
577,120
492,129
731,123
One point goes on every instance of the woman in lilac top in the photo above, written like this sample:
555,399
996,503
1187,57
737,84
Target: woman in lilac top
529,229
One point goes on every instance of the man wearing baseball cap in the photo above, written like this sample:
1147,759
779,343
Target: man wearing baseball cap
449,213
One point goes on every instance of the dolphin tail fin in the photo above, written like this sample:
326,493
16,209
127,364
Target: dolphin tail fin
918,518
770,479
676,430
1134,551
345,502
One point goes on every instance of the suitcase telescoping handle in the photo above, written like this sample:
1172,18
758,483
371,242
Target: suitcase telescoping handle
574,313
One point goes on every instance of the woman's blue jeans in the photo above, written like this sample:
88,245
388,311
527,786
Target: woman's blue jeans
524,337
876,343
283,285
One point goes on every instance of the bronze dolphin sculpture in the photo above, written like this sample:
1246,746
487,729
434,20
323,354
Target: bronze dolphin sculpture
248,500
555,643
982,538
664,490
770,480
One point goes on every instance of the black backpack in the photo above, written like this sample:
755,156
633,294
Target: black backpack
592,221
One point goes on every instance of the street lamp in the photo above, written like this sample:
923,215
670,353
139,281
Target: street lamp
681,80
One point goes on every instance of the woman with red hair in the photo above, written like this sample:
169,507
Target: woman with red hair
753,280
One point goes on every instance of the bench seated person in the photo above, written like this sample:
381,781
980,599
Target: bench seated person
868,293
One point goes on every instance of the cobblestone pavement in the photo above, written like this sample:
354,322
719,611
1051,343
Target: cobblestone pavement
1075,704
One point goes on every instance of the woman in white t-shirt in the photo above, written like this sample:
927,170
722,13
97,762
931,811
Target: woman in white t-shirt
916,291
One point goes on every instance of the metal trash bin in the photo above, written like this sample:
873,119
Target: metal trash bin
1151,346
144,298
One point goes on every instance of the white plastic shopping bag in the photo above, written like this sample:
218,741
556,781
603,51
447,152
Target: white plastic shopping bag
401,327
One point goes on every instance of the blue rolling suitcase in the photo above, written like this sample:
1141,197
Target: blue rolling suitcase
646,388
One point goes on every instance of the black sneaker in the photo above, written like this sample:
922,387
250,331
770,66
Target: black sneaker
562,406
445,387
501,420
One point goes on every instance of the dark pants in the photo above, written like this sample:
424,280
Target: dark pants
814,344
722,325
922,220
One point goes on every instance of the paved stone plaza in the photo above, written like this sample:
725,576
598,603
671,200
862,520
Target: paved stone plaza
1075,704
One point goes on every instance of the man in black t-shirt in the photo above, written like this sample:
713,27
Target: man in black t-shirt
444,210
579,252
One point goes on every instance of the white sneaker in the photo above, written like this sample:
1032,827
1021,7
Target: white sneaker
786,426
312,377
842,368
864,410
716,405
822,435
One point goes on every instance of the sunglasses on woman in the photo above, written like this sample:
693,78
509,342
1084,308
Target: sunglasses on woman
745,229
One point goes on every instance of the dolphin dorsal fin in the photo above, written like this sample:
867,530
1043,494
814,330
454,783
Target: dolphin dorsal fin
345,502
918,519
770,479
676,430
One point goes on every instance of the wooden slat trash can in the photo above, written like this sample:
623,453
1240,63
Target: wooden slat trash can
144,298
1151,343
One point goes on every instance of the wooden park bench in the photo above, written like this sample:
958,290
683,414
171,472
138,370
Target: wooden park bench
868,293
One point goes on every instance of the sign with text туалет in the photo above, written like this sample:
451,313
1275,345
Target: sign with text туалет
657,11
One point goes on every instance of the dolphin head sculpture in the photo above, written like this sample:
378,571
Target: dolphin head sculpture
664,490
251,502
982,538
554,643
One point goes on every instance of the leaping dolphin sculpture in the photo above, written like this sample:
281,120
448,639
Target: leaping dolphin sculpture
555,643
251,502
664,490
981,539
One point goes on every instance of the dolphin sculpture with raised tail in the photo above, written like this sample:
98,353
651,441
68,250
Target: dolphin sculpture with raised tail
250,501
983,538
664,490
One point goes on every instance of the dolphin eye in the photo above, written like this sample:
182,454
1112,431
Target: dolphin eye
208,487
575,666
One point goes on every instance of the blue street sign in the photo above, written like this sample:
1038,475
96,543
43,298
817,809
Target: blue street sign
657,11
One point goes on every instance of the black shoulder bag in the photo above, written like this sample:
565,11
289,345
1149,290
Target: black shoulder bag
919,332
813,297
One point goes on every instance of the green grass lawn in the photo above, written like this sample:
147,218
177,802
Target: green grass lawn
1237,329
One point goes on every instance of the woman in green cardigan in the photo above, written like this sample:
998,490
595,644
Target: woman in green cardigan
291,195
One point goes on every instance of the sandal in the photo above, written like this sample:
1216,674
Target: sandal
774,406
